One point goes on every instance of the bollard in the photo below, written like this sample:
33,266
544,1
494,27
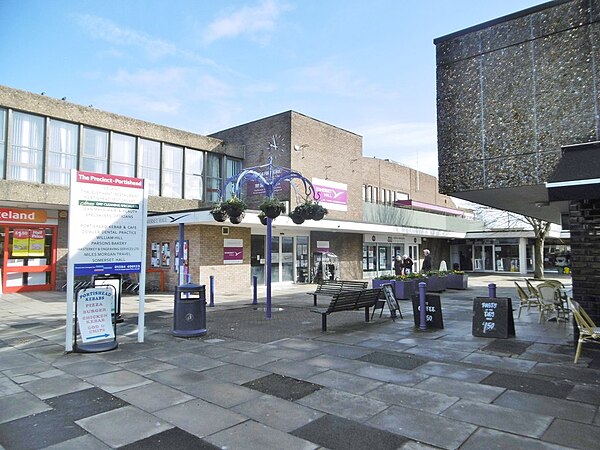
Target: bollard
492,290
254,296
212,291
423,323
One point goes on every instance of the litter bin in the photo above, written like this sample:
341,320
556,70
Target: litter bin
189,318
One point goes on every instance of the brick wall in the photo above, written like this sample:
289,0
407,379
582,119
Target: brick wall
205,256
585,255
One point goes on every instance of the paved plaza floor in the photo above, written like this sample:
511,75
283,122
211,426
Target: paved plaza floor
253,383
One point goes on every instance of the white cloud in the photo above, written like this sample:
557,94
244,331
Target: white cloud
140,104
104,29
152,79
254,21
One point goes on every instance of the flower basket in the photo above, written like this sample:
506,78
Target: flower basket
272,207
237,219
217,212
262,217
234,207
303,210
317,212
297,217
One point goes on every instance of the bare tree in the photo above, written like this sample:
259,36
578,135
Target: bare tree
498,219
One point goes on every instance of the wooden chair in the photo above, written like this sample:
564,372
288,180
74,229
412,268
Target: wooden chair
526,299
588,331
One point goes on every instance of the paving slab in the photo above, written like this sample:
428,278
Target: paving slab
123,426
529,384
277,413
200,418
295,369
399,361
255,436
548,406
20,405
454,371
174,438
87,442
119,380
343,404
424,427
337,433
345,382
153,396
222,394
463,389
232,373
413,398
485,438
55,386
390,375
573,434
89,402
500,418
287,388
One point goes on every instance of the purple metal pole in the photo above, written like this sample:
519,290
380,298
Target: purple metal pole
423,323
492,290
254,296
212,291
268,267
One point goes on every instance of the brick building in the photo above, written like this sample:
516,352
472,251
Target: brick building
42,139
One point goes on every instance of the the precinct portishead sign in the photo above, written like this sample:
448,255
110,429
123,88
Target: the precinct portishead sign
106,223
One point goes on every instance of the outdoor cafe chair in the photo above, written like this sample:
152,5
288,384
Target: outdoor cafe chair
588,331
533,292
550,301
526,299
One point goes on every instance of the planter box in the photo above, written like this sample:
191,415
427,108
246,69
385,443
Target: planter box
405,289
436,284
457,281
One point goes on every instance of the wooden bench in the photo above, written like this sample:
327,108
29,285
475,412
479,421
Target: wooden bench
349,301
333,287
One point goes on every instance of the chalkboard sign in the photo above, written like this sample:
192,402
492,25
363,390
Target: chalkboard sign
493,317
433,311
390,298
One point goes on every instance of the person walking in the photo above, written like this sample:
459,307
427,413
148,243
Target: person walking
427,264
408,264
398,266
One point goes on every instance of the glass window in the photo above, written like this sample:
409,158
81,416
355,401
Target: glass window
232,167
194,166
149,165
27,153
2,141
172,171
214,177
95,151
122,155
62,153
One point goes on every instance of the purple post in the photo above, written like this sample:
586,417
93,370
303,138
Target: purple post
254,296
268,266
423,323
492,290
212,291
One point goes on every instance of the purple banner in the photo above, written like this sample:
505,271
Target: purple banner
233,255
328,194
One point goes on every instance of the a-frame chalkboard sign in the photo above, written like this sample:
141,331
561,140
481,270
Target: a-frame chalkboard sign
389,299
433,311
493,317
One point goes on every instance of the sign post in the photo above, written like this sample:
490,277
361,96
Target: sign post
107,233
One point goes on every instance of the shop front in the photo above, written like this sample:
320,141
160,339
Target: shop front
379,252
289,258
28,250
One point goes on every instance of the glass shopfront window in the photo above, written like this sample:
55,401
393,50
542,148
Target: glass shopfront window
62,152
28,258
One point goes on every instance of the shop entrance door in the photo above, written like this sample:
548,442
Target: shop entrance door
28,258
282,259
413,252
483,258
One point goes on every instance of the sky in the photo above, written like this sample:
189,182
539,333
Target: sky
208,65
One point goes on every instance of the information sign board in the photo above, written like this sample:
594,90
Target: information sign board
94,307
493,318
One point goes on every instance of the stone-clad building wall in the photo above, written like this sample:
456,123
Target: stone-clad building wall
511,92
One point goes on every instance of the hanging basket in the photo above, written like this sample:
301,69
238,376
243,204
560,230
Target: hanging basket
219,216
263,218
234,207
297,218
237,219
272,208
